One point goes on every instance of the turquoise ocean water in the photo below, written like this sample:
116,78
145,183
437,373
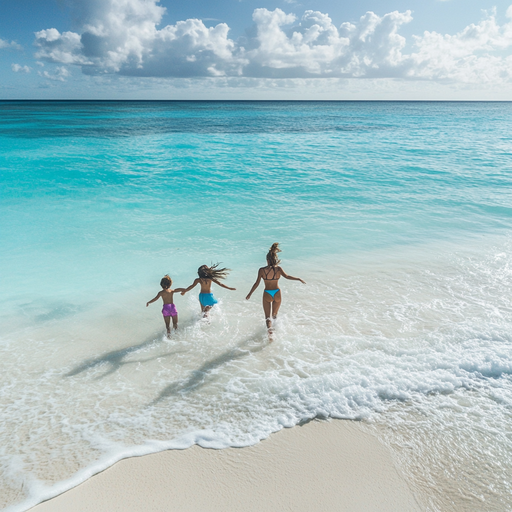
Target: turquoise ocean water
396,214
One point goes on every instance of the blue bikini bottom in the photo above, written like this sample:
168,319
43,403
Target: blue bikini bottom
272,292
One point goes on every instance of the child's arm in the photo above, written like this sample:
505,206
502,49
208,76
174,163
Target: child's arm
196,281
286,276
153,300
223,285
255,285
176,290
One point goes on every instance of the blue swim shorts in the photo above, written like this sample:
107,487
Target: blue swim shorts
207,299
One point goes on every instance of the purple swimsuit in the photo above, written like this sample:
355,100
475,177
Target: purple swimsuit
169,310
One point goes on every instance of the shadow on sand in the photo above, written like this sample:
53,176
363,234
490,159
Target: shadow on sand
116,359
198,378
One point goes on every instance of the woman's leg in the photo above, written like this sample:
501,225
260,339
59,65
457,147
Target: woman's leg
276,304
267,306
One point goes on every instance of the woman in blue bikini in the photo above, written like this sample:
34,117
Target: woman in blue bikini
207,276
272,294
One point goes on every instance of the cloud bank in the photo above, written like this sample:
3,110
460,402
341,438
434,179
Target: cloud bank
122,37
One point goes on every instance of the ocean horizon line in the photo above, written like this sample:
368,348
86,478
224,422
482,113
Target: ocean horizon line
89,100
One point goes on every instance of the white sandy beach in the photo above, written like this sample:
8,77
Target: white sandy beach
322,465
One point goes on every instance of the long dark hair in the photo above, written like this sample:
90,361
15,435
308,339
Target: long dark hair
272,258
212,272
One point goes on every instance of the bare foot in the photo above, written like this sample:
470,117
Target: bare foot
270,335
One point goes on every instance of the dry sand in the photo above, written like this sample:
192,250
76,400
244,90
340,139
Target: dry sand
321,466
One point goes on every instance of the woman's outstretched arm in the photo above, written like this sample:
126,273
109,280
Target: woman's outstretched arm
286,276
196,281
255,285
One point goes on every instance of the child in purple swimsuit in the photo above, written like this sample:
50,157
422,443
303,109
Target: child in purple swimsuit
207,276
169,310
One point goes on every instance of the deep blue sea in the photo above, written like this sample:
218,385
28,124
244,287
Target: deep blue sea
396,214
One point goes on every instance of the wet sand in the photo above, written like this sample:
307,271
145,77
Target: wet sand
320,466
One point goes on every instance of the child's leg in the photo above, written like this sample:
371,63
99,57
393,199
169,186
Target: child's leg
175,322
167,320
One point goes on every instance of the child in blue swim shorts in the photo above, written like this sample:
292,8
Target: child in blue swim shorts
207,276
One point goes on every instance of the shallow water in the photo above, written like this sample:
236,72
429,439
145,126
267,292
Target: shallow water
396,214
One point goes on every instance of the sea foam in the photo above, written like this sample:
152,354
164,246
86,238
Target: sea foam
353,345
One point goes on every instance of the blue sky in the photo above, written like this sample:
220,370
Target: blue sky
256,49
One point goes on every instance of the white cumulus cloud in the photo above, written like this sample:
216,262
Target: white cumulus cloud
60,75
17,68
311,47
65,48
316,47
13,45
122,37
473,55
